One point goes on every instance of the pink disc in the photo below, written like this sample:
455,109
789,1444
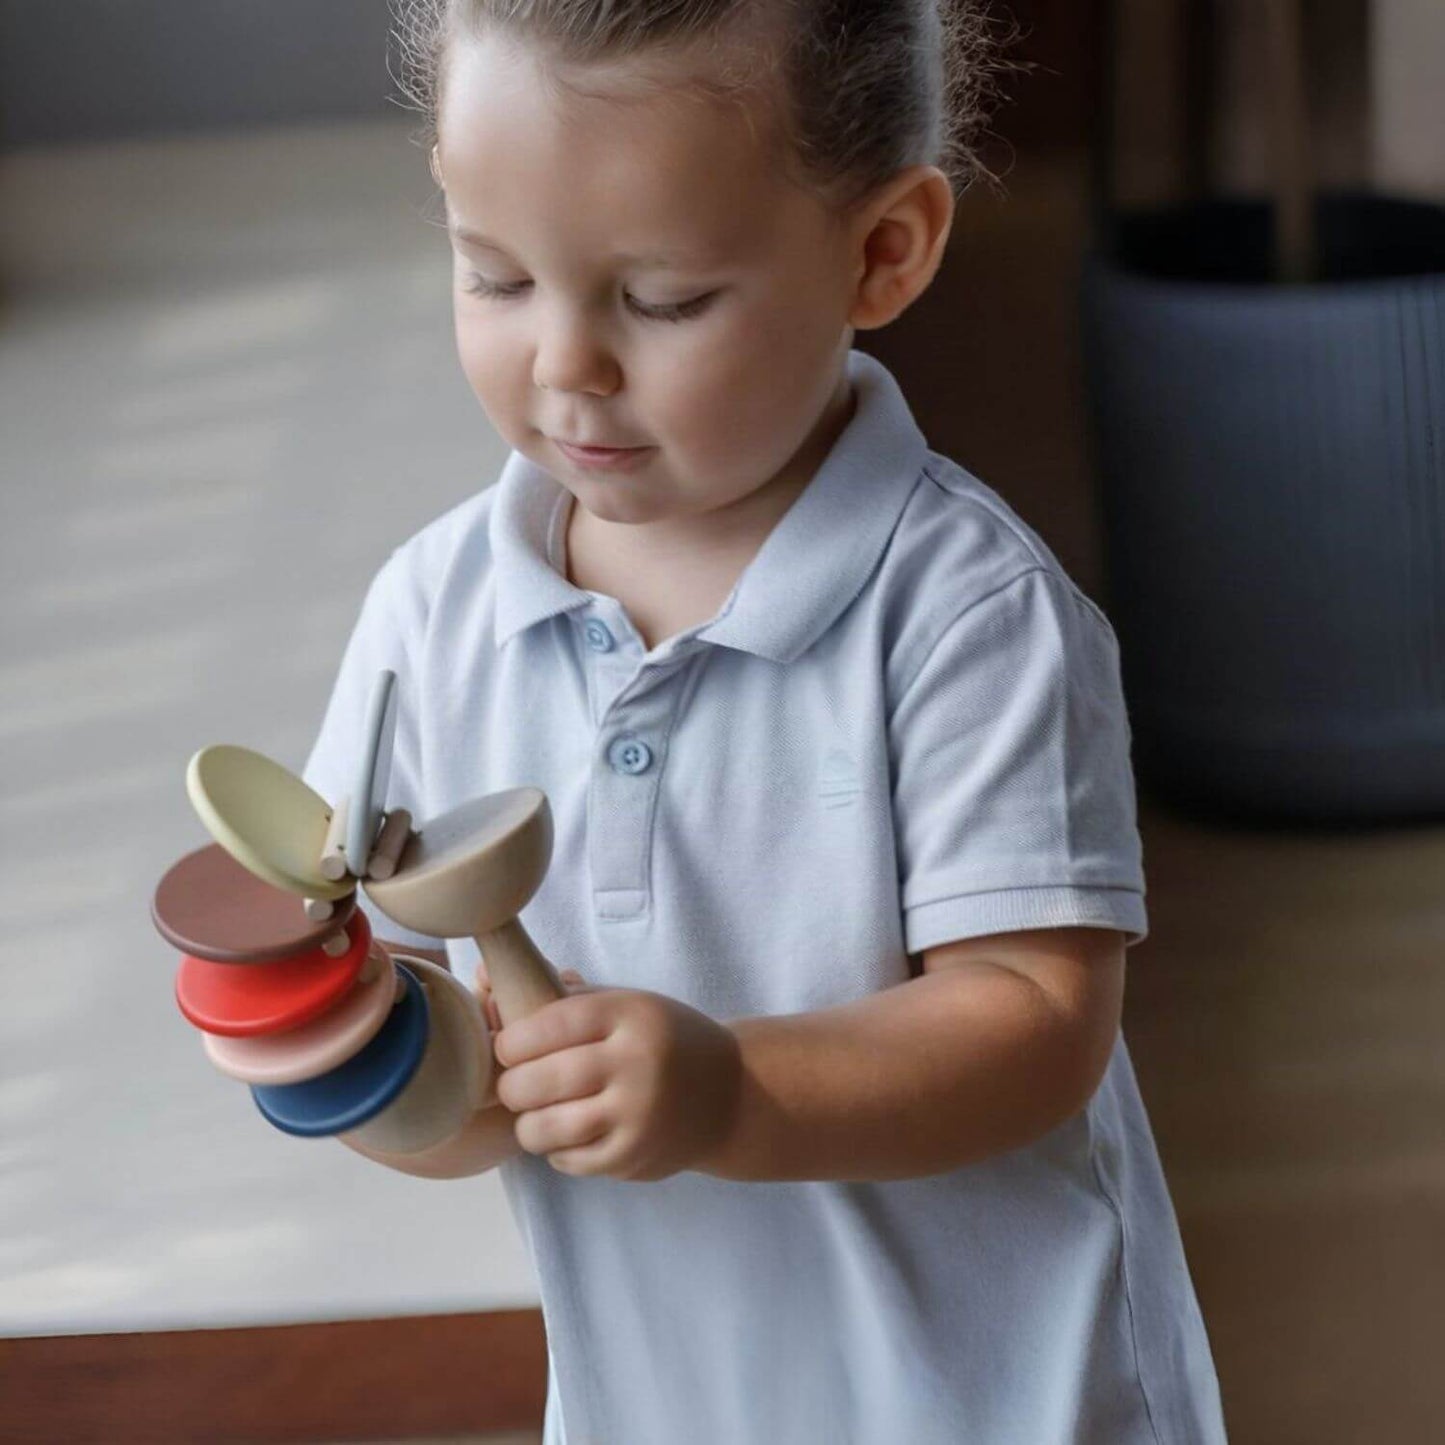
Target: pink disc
315,1048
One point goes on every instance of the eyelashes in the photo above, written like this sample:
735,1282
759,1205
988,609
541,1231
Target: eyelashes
478,285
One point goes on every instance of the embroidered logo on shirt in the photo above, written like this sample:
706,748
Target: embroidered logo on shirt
838,782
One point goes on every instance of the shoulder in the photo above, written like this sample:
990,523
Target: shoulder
461,532
451,547
958,548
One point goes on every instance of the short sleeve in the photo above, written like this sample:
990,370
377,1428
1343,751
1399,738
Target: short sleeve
385,636
1014,793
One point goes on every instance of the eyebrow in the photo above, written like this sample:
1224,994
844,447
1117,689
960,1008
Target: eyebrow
654,261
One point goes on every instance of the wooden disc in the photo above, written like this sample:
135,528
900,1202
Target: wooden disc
265,817
458,1011
315,1048
472,868
269,998
364,1085
210,906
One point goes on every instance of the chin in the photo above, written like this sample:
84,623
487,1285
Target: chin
615,506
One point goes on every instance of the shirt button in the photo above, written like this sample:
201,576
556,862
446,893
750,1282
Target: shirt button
629,755
599,639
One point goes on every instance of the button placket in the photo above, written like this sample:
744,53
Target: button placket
627,772
612,663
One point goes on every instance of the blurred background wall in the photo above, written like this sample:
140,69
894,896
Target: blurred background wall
103,69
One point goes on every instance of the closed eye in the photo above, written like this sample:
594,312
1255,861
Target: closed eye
478,285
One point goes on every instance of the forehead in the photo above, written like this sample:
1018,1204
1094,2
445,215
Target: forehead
659,165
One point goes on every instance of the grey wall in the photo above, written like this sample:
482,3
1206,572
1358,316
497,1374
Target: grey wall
85,69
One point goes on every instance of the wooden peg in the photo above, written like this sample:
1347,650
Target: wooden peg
333,853
386,851
376,960
318,910
336,945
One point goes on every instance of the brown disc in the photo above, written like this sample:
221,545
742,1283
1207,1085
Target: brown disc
209,906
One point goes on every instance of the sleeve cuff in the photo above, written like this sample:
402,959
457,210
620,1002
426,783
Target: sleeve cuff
1008,910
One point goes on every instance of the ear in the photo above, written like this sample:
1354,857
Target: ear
898,243
434,160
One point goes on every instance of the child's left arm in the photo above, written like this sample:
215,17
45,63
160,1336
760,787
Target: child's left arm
1000,1039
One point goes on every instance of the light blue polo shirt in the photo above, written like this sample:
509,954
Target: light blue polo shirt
903,726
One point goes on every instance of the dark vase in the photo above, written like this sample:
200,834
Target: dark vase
1271,464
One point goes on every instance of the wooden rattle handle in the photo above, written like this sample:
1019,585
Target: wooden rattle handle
522,979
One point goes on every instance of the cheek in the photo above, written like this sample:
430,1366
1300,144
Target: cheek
753,386
481,357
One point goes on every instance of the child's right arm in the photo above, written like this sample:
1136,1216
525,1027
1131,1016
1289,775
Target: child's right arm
488,1138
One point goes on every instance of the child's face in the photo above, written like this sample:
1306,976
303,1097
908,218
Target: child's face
569,188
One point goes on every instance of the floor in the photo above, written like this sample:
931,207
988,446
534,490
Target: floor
226,381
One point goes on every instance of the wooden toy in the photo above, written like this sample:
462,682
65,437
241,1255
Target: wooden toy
443,1090
333,1036
210,906
315,1048
386,852
460,1013
266,818
468,873
332,862
373,773
364,1085
268,998
448,1085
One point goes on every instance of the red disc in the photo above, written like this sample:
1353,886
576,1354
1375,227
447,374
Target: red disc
269,998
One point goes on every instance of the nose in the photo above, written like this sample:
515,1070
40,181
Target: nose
571,357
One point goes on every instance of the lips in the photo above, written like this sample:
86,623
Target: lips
593,446
608,459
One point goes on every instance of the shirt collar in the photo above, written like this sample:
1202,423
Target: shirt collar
810,567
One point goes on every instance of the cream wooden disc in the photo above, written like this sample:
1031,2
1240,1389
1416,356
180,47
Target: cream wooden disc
265,817
455,1007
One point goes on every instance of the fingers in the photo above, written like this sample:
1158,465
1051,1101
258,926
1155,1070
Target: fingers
572,1074
571,1125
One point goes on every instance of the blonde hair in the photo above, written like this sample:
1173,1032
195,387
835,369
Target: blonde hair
870,86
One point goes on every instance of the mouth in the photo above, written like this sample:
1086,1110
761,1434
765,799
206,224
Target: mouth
593,446
608,458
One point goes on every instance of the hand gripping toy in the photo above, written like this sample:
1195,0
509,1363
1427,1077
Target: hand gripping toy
294,996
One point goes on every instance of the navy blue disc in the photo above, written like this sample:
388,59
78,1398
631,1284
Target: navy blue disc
364,1085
